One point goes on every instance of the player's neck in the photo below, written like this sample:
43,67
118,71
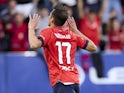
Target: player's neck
52,25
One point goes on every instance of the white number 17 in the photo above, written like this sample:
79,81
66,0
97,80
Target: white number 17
60,54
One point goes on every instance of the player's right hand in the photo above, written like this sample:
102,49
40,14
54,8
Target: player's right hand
33,21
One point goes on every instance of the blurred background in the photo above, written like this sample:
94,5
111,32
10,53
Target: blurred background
23,70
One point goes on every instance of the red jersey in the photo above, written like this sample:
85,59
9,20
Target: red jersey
18,37
115,41
91,29
59,47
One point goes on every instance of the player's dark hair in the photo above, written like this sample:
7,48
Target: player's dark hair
60,15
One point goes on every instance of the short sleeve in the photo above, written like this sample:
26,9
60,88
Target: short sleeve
45,36
82,43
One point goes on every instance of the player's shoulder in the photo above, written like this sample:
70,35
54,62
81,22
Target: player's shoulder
47,29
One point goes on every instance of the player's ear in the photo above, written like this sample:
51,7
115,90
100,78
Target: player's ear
52,20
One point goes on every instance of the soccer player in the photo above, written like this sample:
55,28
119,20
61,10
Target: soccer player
60,43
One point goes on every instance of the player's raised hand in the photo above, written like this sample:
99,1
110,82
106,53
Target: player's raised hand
33,21
72,24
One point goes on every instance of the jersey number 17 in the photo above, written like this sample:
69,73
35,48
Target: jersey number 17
60,53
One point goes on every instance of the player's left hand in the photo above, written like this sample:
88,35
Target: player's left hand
72,24
33,21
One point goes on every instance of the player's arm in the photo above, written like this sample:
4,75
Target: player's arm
34,41
90,45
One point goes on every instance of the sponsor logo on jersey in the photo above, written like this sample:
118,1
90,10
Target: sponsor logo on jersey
67,68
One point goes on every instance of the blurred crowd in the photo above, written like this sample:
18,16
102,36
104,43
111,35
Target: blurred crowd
100,20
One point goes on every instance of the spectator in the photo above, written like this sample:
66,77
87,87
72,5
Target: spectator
24,6
115,37
90,25
43,22
112,14
90,22
7,16
8,13
112,4
18,33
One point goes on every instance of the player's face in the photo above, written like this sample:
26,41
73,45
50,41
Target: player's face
50,21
